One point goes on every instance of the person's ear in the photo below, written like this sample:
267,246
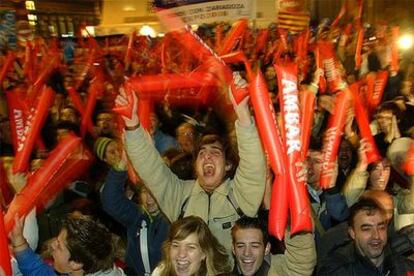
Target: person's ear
228,166
351,232
267,248
75,266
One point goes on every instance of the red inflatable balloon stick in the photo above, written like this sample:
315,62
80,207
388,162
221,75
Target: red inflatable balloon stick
234,37
333,135
307,108
376,83
145,108
73,168
128,53
279,207
322,80
37,183
43,75
340,15
269,134
395,32
358,51
4,247
17,115
32,131
5,191
408,164
6,66
95,89
289,108
330,66
362,119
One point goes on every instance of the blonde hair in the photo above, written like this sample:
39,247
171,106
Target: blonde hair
217,259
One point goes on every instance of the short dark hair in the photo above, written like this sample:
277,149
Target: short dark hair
89,243
228,150
250,223
364,204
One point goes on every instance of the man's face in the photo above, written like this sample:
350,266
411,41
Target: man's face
105,123
186,138
384,120
370,234
112,154
148,201
344,155
249,250
61,254
314,160
68,114
211,166
154,123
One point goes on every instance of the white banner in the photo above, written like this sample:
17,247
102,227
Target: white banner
216,11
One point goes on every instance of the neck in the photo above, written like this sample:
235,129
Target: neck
377,262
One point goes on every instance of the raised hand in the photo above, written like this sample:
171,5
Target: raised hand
242,108
127,102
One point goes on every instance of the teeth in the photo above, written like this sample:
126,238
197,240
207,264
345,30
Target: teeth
208,166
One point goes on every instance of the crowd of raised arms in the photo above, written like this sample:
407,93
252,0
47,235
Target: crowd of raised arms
141,160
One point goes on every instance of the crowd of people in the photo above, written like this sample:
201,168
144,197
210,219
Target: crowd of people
190,194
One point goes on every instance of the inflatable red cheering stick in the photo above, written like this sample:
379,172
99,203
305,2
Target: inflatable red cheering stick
362,119
269,134
395,32
290,111
4,247
6,66
24,201
32,130
234,37
329,62
333,135
307,104
408,164
95,89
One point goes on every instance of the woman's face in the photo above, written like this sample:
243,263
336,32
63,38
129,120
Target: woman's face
186,255
380,175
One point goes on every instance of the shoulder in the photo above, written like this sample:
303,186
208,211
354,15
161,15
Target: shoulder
340,260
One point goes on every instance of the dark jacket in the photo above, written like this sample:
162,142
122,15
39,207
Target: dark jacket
131,216
347,261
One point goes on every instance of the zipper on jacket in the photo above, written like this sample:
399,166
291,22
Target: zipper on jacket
208,210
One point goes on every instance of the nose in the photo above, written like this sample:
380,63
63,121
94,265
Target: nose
182,251
375,233
247,251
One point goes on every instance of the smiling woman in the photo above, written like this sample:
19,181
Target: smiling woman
191,249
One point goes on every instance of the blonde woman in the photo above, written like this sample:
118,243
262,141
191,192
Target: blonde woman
191,249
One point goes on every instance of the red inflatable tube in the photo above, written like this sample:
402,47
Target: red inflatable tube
4,247
329,62
24,201
73,168
408,165
322,80
95,88
191,41
42,77
376,83
358,50
6,66
77,102
145,107
219,37
266,123
32,131
307,104
17,116
30,57
290,111
269,133
395,31
362,119
234,36
86,68
128,53
340,15
179,87
6,193
279,207
261,40
333,135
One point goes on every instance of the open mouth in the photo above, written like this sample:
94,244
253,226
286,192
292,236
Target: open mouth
208,170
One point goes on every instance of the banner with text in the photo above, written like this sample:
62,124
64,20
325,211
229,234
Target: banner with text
197,12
